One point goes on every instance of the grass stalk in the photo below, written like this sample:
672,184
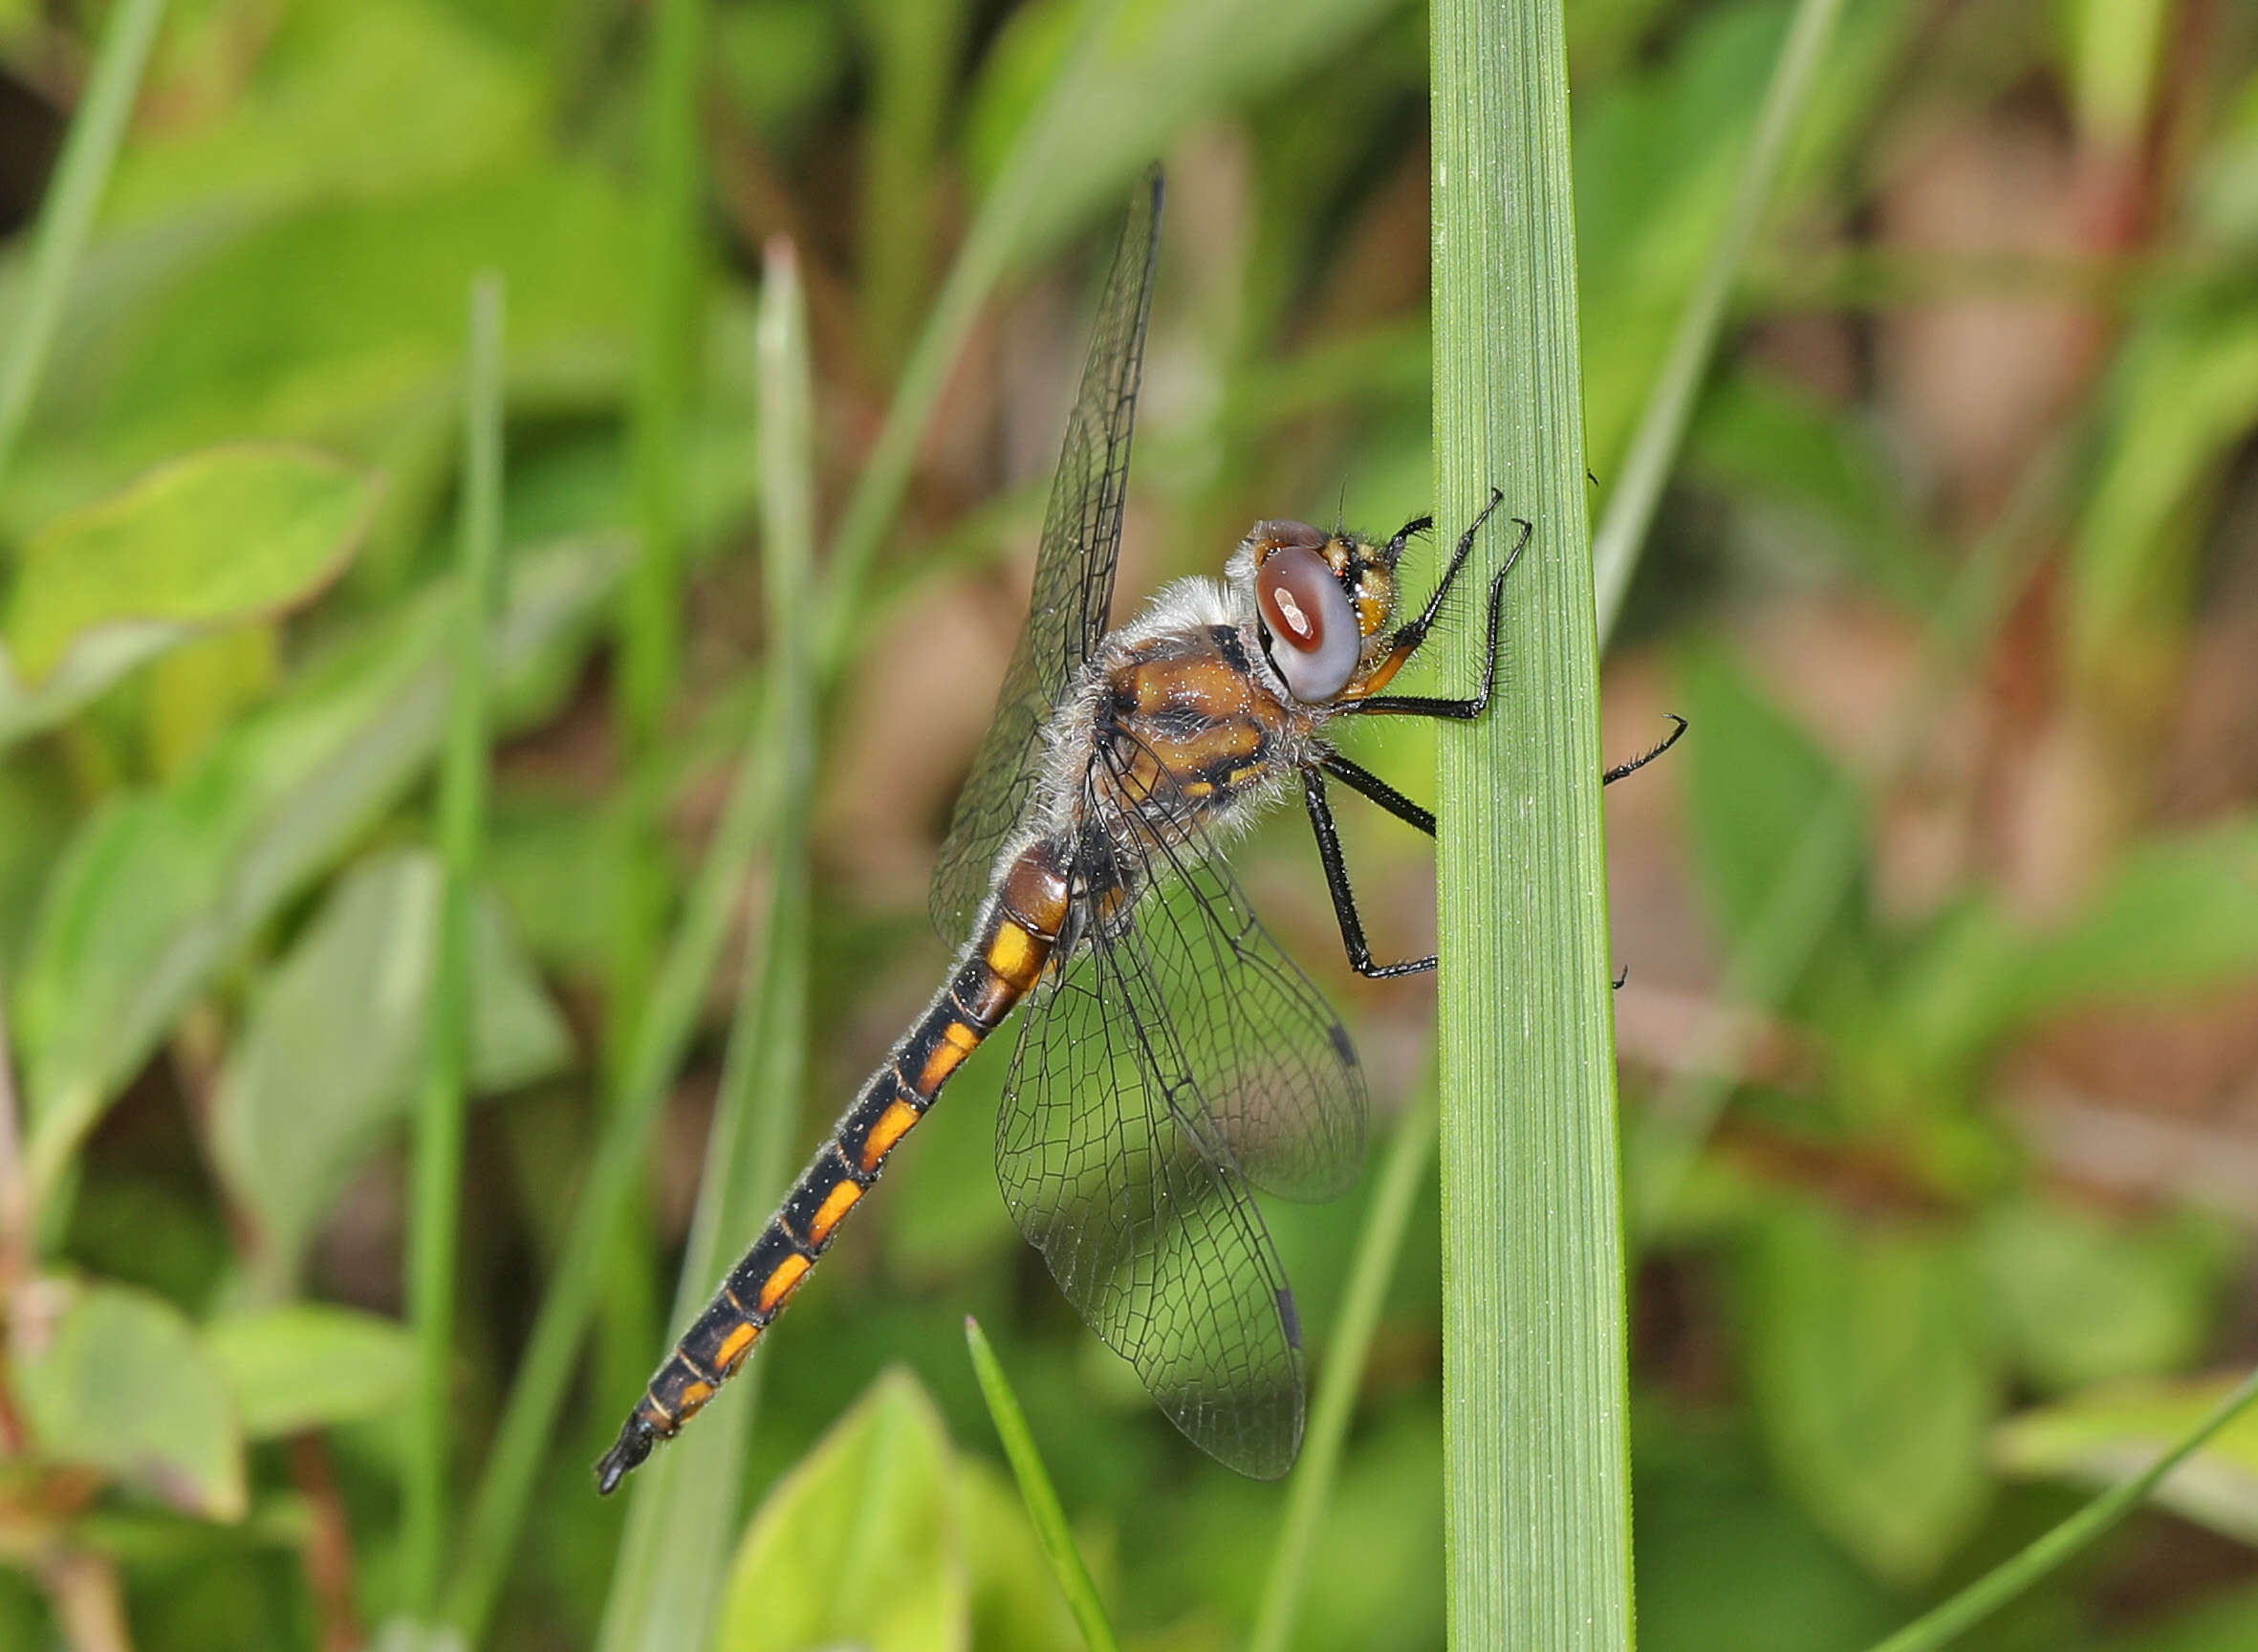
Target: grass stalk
650,639
1670,405
980,264
65,218
684,1513
1040,1496
613,1176
435,1214
1536,1458
1946,1623
1410,1152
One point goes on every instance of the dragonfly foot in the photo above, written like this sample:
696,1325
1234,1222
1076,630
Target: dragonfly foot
635,1439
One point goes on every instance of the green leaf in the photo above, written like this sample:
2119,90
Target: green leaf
1875,1381
858,1545
213,539
159,890
1756,778
119,1382
1015,1604
307,1366
292,1118
2083,1300
2107,1433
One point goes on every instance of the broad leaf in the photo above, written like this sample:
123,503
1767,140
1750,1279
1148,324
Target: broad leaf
118,1381
159,889
329,1055
307,1366
1875,1381
858,1545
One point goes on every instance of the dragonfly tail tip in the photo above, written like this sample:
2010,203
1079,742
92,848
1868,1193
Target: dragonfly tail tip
635,1439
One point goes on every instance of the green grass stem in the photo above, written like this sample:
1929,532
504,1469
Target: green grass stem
1670,405
65,218
1410,1152
2004,1582
436,1207
686,1505
649,663
1040,1496
614,1174
980,264
1536,1452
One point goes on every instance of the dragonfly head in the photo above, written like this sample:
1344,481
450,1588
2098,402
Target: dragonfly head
1321,601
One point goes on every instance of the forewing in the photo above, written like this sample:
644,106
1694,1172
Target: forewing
1070,605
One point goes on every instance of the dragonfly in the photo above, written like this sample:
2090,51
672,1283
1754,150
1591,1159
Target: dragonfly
1171,1058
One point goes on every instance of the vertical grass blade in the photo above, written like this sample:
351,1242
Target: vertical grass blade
1037,1492
1535,1449
683,1514
67,217
1670,405
2004,1582
979,265
436,1209
1409,1154
662,1037
650,636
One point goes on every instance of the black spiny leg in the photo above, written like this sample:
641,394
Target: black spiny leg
1645,757
1411,637
1336,871
1363,781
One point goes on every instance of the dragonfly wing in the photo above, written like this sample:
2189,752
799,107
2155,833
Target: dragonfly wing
1177,1058
1070,606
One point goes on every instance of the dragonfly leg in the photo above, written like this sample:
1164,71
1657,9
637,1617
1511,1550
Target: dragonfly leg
1648,756
1412,635
1336,870
1363,781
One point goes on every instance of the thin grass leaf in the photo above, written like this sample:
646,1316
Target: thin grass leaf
67,218
437,1176
980,263
684,1512
2002,1583
1410,1153
1670,405
651,621
1037,1492
1537,1449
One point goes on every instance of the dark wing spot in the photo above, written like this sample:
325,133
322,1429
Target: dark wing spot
1341,1047
1289,1316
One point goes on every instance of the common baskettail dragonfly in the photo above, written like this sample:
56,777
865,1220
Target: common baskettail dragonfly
1170,1056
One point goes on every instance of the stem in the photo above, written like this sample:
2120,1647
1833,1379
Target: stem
1536,1458
2004,1582
1378,1247
438,1188
67,218
1040,1496
684,1512
1669,407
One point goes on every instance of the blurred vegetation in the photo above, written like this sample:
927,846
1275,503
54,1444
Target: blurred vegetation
1945,1170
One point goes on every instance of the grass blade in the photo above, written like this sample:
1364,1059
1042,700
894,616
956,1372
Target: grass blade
436,1199
1410,1153
980,263
2006,1580
1536,1456
1670,404
682,1518
1037,1492
650,637
67,218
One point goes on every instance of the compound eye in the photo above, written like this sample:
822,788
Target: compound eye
1309,622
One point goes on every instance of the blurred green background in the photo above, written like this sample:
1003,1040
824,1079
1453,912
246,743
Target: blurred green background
1941,1037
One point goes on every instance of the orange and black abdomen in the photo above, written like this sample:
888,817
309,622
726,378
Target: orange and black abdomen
1007,954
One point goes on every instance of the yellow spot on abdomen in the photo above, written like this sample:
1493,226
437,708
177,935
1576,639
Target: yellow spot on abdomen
893,1124
957,1041
695,1396
836,1204
781,1284
735,1346
1015,955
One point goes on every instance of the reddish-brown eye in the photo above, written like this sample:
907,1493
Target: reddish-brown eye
1309,622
